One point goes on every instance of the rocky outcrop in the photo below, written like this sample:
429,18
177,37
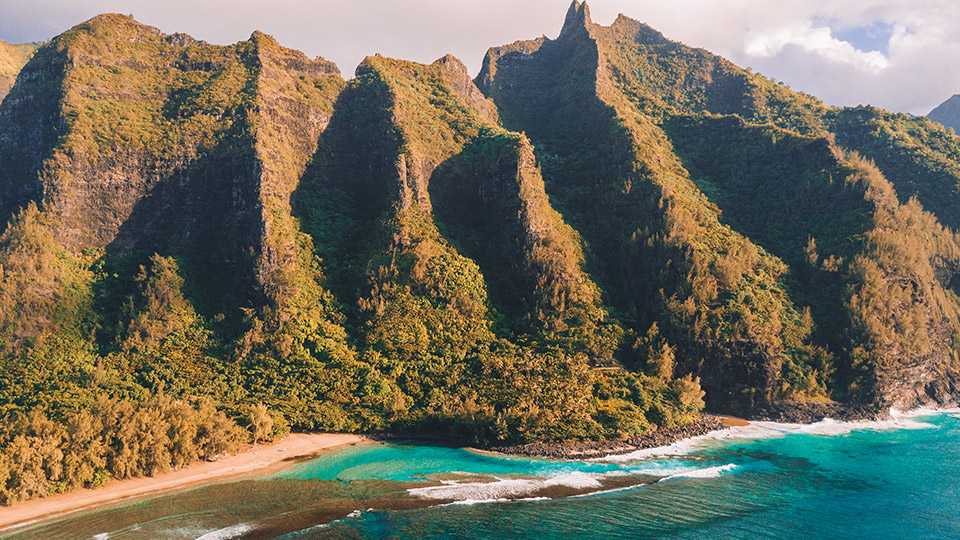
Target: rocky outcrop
655,438
294,104
31,121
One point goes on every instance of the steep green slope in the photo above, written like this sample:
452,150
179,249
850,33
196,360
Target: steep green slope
655,241
919,157
156,253
12,59
153,130
199,231
660,157
412,164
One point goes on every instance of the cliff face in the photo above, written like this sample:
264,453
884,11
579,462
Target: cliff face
133,142
565,247
167,144
437,234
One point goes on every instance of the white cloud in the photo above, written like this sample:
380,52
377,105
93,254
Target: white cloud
818,40
796,42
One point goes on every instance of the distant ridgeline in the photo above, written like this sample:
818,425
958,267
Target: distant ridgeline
568,247
948,113
12,59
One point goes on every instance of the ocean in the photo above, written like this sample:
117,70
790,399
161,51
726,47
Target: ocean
898,478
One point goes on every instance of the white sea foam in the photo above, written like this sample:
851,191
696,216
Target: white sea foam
318,526
766,430
227,532
709,472
505,488
676,449
512,489
606,491
471,502
575,479
923,411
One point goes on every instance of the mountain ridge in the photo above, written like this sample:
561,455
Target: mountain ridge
637,96
599,235
947,113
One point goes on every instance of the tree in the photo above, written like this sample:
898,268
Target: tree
261,423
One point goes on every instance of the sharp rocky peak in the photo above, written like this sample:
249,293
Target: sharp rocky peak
578,16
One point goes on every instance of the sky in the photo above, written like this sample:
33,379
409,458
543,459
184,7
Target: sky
902,55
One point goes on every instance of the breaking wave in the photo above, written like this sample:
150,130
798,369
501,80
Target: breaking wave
504,488
765,430
225,533
570,484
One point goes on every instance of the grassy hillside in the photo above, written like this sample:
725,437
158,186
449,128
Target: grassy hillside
12,59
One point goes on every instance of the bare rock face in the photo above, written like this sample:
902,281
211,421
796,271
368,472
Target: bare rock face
30,124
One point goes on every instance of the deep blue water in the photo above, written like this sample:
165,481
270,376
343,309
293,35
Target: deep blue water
897,479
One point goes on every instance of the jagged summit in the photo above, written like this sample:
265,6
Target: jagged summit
638,31
578,16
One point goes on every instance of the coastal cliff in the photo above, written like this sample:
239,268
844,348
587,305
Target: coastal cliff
598,237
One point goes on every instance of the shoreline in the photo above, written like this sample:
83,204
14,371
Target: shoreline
262,460
252,461
702,425
804,413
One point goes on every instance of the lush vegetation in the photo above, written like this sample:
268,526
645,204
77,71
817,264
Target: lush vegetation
728,203
12,59
394,217
338,286
111,438
214,244
919,157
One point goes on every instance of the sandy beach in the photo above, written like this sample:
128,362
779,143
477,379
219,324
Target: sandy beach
254,460
734,421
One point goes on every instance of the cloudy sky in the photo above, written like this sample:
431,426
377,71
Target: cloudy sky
902,55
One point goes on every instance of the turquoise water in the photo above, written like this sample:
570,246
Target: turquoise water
898,479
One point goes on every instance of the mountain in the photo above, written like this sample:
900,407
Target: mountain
600,234
947,113
741,217
12,59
